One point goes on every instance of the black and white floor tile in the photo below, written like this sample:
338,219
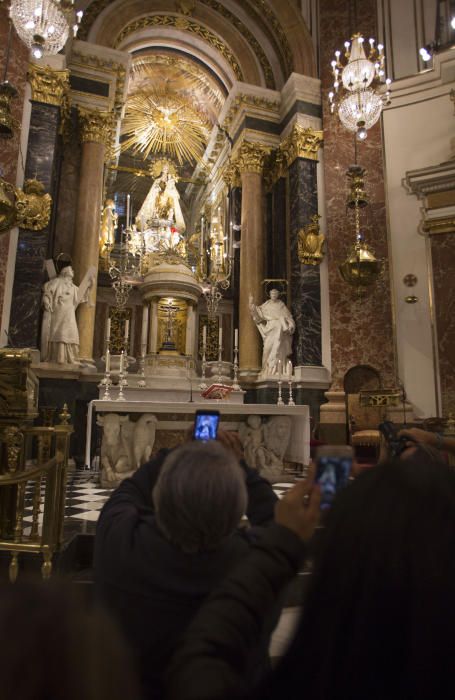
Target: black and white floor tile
85,498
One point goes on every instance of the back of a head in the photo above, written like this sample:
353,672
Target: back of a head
378,619
200,496
55,646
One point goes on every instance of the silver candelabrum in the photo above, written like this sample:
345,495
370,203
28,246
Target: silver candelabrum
220,362
280,401
291,401
203,384
235,384
142,381
122,380
106,382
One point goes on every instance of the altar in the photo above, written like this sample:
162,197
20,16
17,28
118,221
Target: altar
171,421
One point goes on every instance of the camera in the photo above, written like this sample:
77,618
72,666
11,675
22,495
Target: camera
395,444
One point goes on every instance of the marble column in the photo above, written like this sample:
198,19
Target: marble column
153,347
49,89
95,132
190,329
250,162
145,328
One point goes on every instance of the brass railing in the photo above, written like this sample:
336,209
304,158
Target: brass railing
37,458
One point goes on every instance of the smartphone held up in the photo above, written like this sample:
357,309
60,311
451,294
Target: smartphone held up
206,425
333,469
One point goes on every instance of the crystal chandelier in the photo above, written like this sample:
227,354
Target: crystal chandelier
359,104
44,25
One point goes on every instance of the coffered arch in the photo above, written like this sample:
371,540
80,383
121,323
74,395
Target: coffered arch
258,42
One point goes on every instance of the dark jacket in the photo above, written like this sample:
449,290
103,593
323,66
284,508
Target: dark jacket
152,587
210,662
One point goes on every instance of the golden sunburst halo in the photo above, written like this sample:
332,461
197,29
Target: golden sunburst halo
162,122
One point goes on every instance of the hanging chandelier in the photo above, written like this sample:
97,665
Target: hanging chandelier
355,85
215,263
361,268
44,25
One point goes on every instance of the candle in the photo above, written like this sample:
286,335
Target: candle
108,329
289,366
204,336
279,369
201,242
236,338
127,210
127,329
108,361
220,337
121,362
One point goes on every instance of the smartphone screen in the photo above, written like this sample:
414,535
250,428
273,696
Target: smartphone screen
206,425
332,474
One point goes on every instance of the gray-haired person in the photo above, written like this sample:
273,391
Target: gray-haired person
166,538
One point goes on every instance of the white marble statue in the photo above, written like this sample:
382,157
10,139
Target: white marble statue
162,201
265,444
59,332
276,326
125,446
144,438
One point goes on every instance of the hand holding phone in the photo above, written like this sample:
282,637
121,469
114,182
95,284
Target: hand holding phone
333,468
206,425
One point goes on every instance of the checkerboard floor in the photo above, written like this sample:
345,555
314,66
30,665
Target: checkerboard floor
85,498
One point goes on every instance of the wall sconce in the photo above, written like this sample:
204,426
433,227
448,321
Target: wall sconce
410,280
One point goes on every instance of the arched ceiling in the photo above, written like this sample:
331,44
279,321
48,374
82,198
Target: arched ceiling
189,54
260,42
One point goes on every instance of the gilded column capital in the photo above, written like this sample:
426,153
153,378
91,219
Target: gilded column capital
251,157
96,126
48,85
231,174
301,143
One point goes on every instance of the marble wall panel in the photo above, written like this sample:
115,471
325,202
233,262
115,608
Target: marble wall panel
277,261
443,259
9,151
33,246
305,279
361,328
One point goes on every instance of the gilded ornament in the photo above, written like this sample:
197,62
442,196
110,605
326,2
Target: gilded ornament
361,268
29,208
7,206
7,122
310,242
161,121
14,440
301,143
251,157
33,206
96,126
357,196
445,224
48,86
231,174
